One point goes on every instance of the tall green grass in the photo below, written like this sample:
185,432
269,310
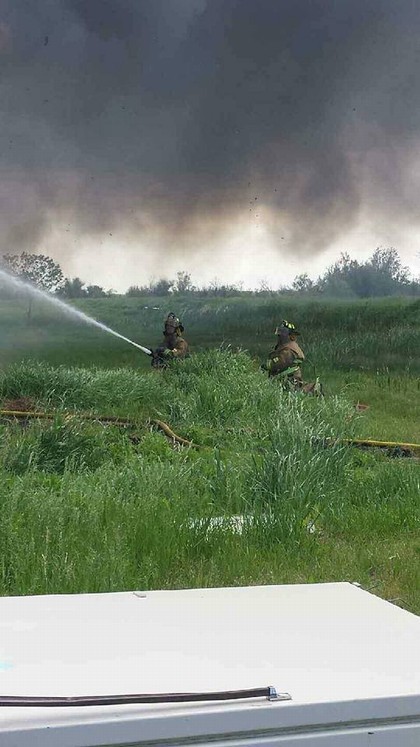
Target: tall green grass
336,335
84,508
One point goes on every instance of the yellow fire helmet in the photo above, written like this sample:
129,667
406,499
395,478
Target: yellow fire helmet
286,325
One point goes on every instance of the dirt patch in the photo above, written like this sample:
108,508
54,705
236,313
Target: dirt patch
361,407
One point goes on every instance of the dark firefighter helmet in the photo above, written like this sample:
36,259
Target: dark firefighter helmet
173,324
286,326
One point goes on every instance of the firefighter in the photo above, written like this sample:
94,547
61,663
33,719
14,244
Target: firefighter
174,346
285,362
286,357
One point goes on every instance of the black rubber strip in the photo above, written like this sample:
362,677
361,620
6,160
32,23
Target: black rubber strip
98,700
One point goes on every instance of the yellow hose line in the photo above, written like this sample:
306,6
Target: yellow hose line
390,444
173,436
18,414
376,444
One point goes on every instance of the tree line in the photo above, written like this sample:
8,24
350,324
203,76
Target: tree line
383,274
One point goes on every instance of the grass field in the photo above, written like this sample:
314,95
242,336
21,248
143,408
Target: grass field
88,507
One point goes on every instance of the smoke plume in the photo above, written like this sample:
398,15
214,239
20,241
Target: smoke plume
169,122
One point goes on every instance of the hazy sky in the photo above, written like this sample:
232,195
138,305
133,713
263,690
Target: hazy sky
237,139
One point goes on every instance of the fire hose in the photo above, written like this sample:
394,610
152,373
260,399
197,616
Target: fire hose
411,449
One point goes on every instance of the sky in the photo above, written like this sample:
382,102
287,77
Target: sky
239,140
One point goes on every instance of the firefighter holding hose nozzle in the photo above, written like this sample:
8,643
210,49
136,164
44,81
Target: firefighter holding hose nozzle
174,346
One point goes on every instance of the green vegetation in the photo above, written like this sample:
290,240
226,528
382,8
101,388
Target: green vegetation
88,507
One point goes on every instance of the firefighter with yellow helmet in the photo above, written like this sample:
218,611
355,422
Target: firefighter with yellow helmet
174,346
285,361
286,357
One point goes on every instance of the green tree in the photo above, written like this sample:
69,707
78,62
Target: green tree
135,290
37,270
183,283
387,264
303,283
96,291
381,275
161,287
73,288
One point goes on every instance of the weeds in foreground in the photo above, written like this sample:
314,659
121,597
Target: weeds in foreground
85,509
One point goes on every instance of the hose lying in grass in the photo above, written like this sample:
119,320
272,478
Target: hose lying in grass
173,436
105,420
409,449
406,449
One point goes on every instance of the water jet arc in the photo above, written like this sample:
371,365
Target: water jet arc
66,308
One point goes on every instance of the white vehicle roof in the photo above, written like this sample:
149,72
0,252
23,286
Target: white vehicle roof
343,655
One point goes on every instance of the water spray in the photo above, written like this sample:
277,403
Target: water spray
66,308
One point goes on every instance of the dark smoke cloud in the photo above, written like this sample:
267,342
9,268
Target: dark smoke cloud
169,115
